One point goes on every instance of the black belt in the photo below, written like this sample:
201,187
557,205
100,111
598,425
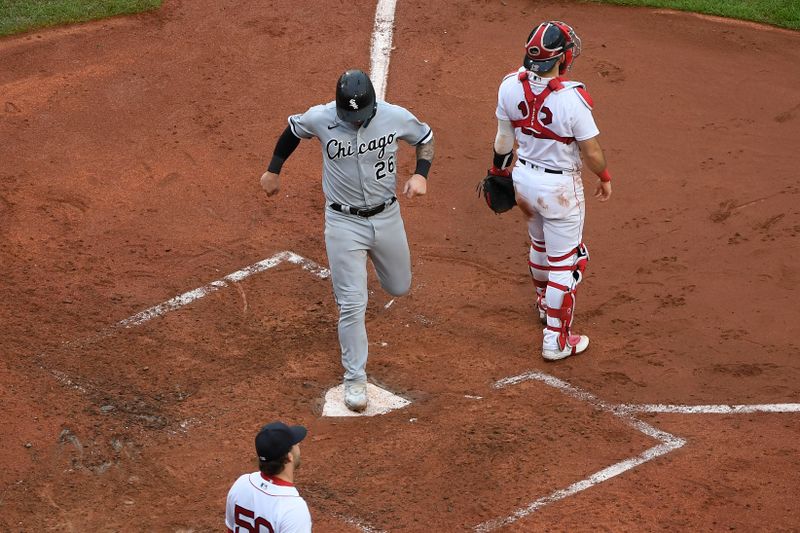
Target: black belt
537,167
364,212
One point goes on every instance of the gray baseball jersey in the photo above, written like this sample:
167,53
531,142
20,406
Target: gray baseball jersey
359,165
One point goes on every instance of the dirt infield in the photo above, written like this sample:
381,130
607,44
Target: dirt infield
129,165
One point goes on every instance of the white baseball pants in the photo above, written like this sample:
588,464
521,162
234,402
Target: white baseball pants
556,203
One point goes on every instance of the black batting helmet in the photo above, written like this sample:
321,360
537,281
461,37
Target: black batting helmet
355,97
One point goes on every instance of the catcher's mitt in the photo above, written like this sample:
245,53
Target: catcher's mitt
498,190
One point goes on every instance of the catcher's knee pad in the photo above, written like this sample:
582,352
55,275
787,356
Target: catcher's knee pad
574,261
566,272
581,262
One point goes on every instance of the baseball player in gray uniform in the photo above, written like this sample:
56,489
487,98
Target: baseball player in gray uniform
358,135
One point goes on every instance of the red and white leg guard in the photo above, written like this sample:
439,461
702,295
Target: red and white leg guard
566,272
540,270
559,319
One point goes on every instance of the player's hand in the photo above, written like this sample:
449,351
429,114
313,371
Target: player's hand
270,182
603,191
416,185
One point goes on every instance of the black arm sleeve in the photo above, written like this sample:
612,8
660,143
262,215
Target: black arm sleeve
287,142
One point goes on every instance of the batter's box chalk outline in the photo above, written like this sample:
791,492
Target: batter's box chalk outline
667,441
196,294
381,401
180,301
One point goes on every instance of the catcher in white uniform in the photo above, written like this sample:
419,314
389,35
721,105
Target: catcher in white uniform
551,120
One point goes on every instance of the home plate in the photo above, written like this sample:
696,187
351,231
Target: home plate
381,401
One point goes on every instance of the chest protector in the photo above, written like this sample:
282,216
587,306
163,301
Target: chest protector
531,123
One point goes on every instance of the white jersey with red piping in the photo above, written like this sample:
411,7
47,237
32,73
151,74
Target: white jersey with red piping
566,112
256,501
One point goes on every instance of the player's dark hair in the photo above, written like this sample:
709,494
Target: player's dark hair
274,467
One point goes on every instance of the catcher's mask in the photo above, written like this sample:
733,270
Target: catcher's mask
549,41
355,97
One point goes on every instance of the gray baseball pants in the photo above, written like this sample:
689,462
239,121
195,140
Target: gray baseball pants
349,239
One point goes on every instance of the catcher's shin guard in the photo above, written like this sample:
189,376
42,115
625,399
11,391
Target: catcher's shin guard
562,315
566,272
539,269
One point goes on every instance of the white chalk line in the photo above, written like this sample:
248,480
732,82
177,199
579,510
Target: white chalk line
185,299
201,292
67,382
712,409
554,382
366,528
595,479
648,408
381,47
668,441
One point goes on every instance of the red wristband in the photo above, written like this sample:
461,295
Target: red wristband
604,176
504,172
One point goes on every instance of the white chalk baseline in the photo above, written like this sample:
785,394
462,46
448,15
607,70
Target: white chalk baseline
668,442
201,292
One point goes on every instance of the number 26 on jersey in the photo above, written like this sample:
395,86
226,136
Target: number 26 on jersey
381,167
